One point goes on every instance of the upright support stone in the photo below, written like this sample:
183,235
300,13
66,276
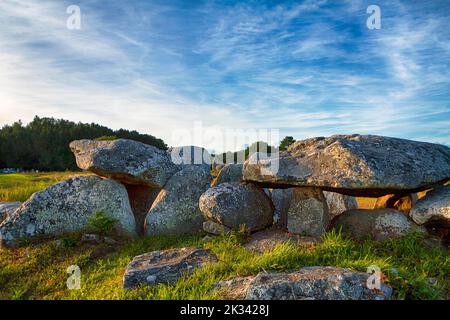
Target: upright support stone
175,210
339,203
308,212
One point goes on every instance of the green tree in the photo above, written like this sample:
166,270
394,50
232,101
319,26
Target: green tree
286,142
43,144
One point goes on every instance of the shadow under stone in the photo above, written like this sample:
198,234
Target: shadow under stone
141,199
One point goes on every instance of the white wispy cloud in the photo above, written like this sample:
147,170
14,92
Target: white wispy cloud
308,69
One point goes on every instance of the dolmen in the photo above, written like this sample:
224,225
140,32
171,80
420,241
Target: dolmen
144,189
306,190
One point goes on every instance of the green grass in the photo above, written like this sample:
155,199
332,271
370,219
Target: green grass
39,271
20,186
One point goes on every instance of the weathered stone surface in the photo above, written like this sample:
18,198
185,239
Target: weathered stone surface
381,224
308,212
362,165
301,210
165,266
190,155
128,161
215,228
267,240
338,203
433,209
235,204
67,206
234,289
399,202
229,173
6,208
176,211
315,283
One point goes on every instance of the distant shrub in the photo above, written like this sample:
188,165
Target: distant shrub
102,138
100,223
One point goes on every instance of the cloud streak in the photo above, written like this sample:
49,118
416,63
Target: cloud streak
308,68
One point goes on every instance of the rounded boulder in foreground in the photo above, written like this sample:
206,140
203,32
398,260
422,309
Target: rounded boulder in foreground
67,206
235,204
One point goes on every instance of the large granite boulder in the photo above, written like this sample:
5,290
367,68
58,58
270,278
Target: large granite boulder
309,283
361,165
128,161
317,283
67,206
176,211
235,204
433,209
301,210
338,203
381,224
6,208
165,266
229,173
308,212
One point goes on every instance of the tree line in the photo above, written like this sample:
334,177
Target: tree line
259,146
43,144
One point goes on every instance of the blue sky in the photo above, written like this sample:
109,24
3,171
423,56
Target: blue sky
307,68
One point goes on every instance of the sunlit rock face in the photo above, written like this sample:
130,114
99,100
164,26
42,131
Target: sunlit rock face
360,165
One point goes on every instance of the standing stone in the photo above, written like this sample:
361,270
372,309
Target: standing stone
127,161
381,224
176,211
165,266
229,173
235,205
66,207
433,208
360,165
315,283
308,212
338,203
